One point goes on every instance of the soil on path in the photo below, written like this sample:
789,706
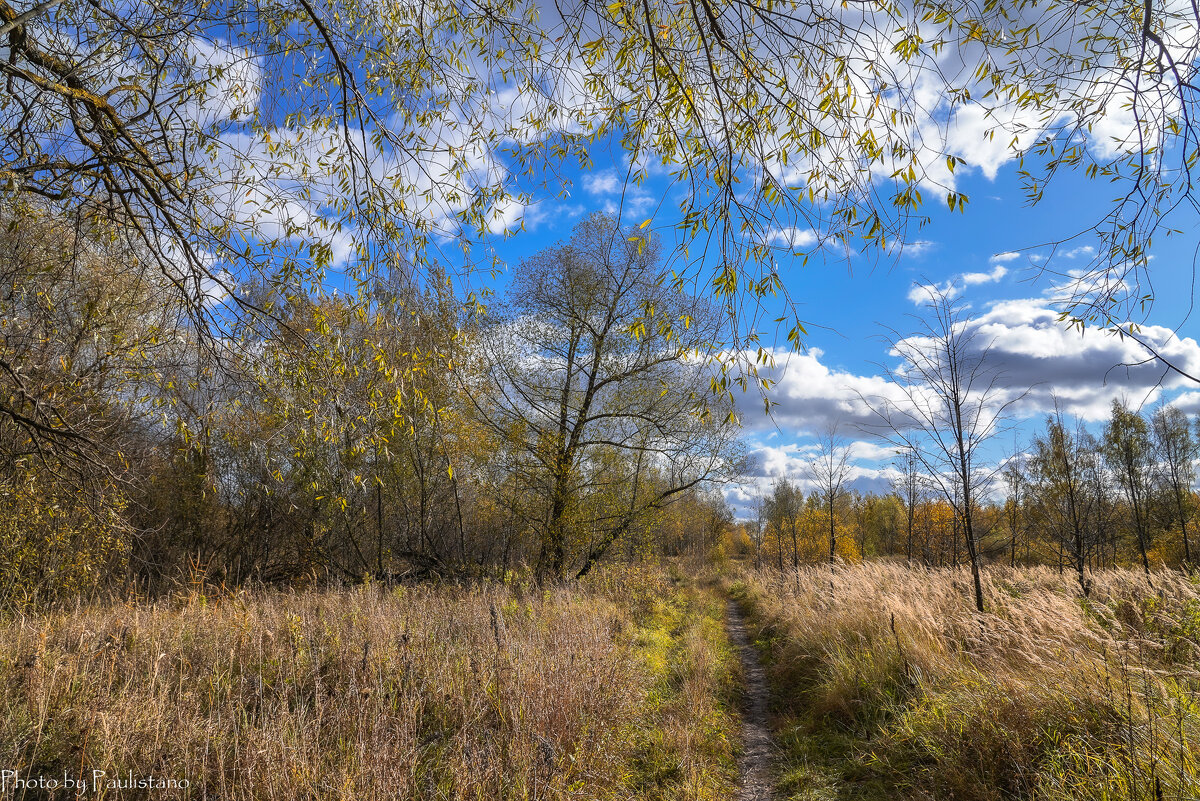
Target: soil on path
754,766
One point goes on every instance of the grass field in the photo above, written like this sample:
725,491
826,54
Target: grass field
613,689
885,685
888,685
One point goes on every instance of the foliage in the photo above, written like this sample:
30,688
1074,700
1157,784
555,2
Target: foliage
244,144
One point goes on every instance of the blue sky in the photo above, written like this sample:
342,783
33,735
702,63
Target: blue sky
1000,254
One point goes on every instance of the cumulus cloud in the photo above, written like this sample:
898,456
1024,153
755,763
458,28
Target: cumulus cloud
922,293
1188,402
1038,363
811,397
1006,256
868,471
1086,370
1036,358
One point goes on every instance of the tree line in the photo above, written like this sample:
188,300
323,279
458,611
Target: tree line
341,435
1072,499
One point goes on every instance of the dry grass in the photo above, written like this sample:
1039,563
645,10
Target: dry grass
492,692
892,686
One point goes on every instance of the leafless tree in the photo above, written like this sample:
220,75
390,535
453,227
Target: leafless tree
828,473
604,406
1175,451
951,401
909,485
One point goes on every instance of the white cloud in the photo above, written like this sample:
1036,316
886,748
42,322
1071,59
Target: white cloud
998,272
795,238
1083,251
916,249
1006,256
810,397
604,182
1188,402
1034,356
1037,354
921,294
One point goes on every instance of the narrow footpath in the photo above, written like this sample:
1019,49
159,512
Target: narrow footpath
754,766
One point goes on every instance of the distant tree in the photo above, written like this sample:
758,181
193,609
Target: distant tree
1175,452
1065,501
909,485
1128,452
828,472
783,509
1015,484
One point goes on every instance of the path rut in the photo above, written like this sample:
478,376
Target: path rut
754,766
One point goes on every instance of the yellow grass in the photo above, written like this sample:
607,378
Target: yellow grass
891,685
491,692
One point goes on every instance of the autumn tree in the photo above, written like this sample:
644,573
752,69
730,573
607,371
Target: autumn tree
828,472
1064,498
909,485
1015,501
598,380
782,509
86,347
275,142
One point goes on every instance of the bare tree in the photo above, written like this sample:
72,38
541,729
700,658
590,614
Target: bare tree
828,473
1015,483
951,401
909,485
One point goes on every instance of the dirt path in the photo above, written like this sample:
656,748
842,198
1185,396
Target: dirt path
754,766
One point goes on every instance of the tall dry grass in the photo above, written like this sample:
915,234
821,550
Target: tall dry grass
888,669
490,692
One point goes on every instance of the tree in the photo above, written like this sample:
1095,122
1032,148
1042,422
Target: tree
909,485
1064,497
1176,451
274,141
1128,453
86,348
1014,505
598,380
950,403
828,472
783,509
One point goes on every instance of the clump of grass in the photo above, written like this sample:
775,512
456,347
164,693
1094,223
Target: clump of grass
889,682
496,692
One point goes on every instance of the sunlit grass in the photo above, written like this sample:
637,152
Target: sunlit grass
607,690
889,685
